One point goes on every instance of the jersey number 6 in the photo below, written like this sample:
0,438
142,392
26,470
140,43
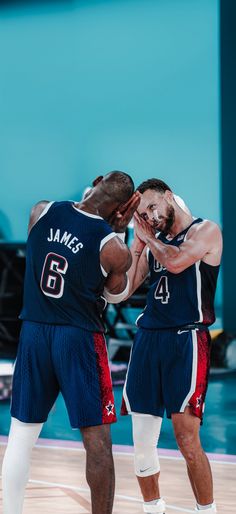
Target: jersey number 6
52,280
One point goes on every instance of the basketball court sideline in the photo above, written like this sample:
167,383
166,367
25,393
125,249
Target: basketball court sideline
58,484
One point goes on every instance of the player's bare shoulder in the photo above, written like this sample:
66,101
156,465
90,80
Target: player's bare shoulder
115,255
36,212
209,233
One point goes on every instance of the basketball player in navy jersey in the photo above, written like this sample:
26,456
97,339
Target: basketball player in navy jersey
170,358
75,263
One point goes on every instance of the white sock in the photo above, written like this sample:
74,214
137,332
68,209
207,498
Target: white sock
154,506
153,502
211,507
16,464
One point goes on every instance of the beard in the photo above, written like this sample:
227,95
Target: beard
166,222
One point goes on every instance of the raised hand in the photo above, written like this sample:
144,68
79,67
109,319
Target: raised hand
142,229
120,219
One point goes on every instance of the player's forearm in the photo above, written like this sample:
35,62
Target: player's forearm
163,253
139,269
136,250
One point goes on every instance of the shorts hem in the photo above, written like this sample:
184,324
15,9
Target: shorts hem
169,414
130,412
93,424
24,420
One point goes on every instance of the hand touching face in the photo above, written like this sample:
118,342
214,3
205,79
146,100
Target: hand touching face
156,210
120,219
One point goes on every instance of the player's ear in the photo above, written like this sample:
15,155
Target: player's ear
169,196
97,180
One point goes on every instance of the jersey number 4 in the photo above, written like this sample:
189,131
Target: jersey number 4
162,292
52,280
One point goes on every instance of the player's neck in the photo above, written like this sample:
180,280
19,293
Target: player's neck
182,221
93,206
89,207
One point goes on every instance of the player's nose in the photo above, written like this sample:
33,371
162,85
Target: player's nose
155,216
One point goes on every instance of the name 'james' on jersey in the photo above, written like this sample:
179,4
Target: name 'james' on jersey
176,300
64,280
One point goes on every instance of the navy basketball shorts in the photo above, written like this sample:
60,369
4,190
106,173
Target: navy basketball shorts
168,371
53,358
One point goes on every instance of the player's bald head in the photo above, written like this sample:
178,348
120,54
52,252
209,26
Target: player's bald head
119,186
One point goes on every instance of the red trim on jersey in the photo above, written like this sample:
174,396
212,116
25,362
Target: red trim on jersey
104,376
197,400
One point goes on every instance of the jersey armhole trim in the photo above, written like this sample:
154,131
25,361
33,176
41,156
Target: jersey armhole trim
106,239
189,228
105,274
103,242
45,210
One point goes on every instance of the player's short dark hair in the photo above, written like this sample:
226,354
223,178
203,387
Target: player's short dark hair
153,183
119,186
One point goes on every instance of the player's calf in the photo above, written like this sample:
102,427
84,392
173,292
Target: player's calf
99,467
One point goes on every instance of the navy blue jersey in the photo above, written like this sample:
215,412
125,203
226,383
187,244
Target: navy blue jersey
176,300
64,280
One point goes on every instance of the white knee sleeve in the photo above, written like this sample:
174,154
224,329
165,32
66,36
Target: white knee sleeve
16,464
146,431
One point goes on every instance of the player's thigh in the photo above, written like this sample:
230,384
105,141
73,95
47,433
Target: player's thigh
97,438
186,428
186,422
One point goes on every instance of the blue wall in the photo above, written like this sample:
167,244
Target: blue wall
91,86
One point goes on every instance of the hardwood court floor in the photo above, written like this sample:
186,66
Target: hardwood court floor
58,484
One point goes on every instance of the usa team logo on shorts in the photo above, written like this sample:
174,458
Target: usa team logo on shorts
110,408
198,401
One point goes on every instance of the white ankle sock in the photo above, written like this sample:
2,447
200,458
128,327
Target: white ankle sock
153,502
155,506
208,509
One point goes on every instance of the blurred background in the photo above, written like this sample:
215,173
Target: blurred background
142,86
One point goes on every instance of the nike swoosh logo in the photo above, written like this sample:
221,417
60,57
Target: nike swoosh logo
142,470
182,331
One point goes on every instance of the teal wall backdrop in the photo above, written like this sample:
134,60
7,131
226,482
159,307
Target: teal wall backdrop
91,86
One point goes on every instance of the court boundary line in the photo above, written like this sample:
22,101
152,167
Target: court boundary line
117,496
122,450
